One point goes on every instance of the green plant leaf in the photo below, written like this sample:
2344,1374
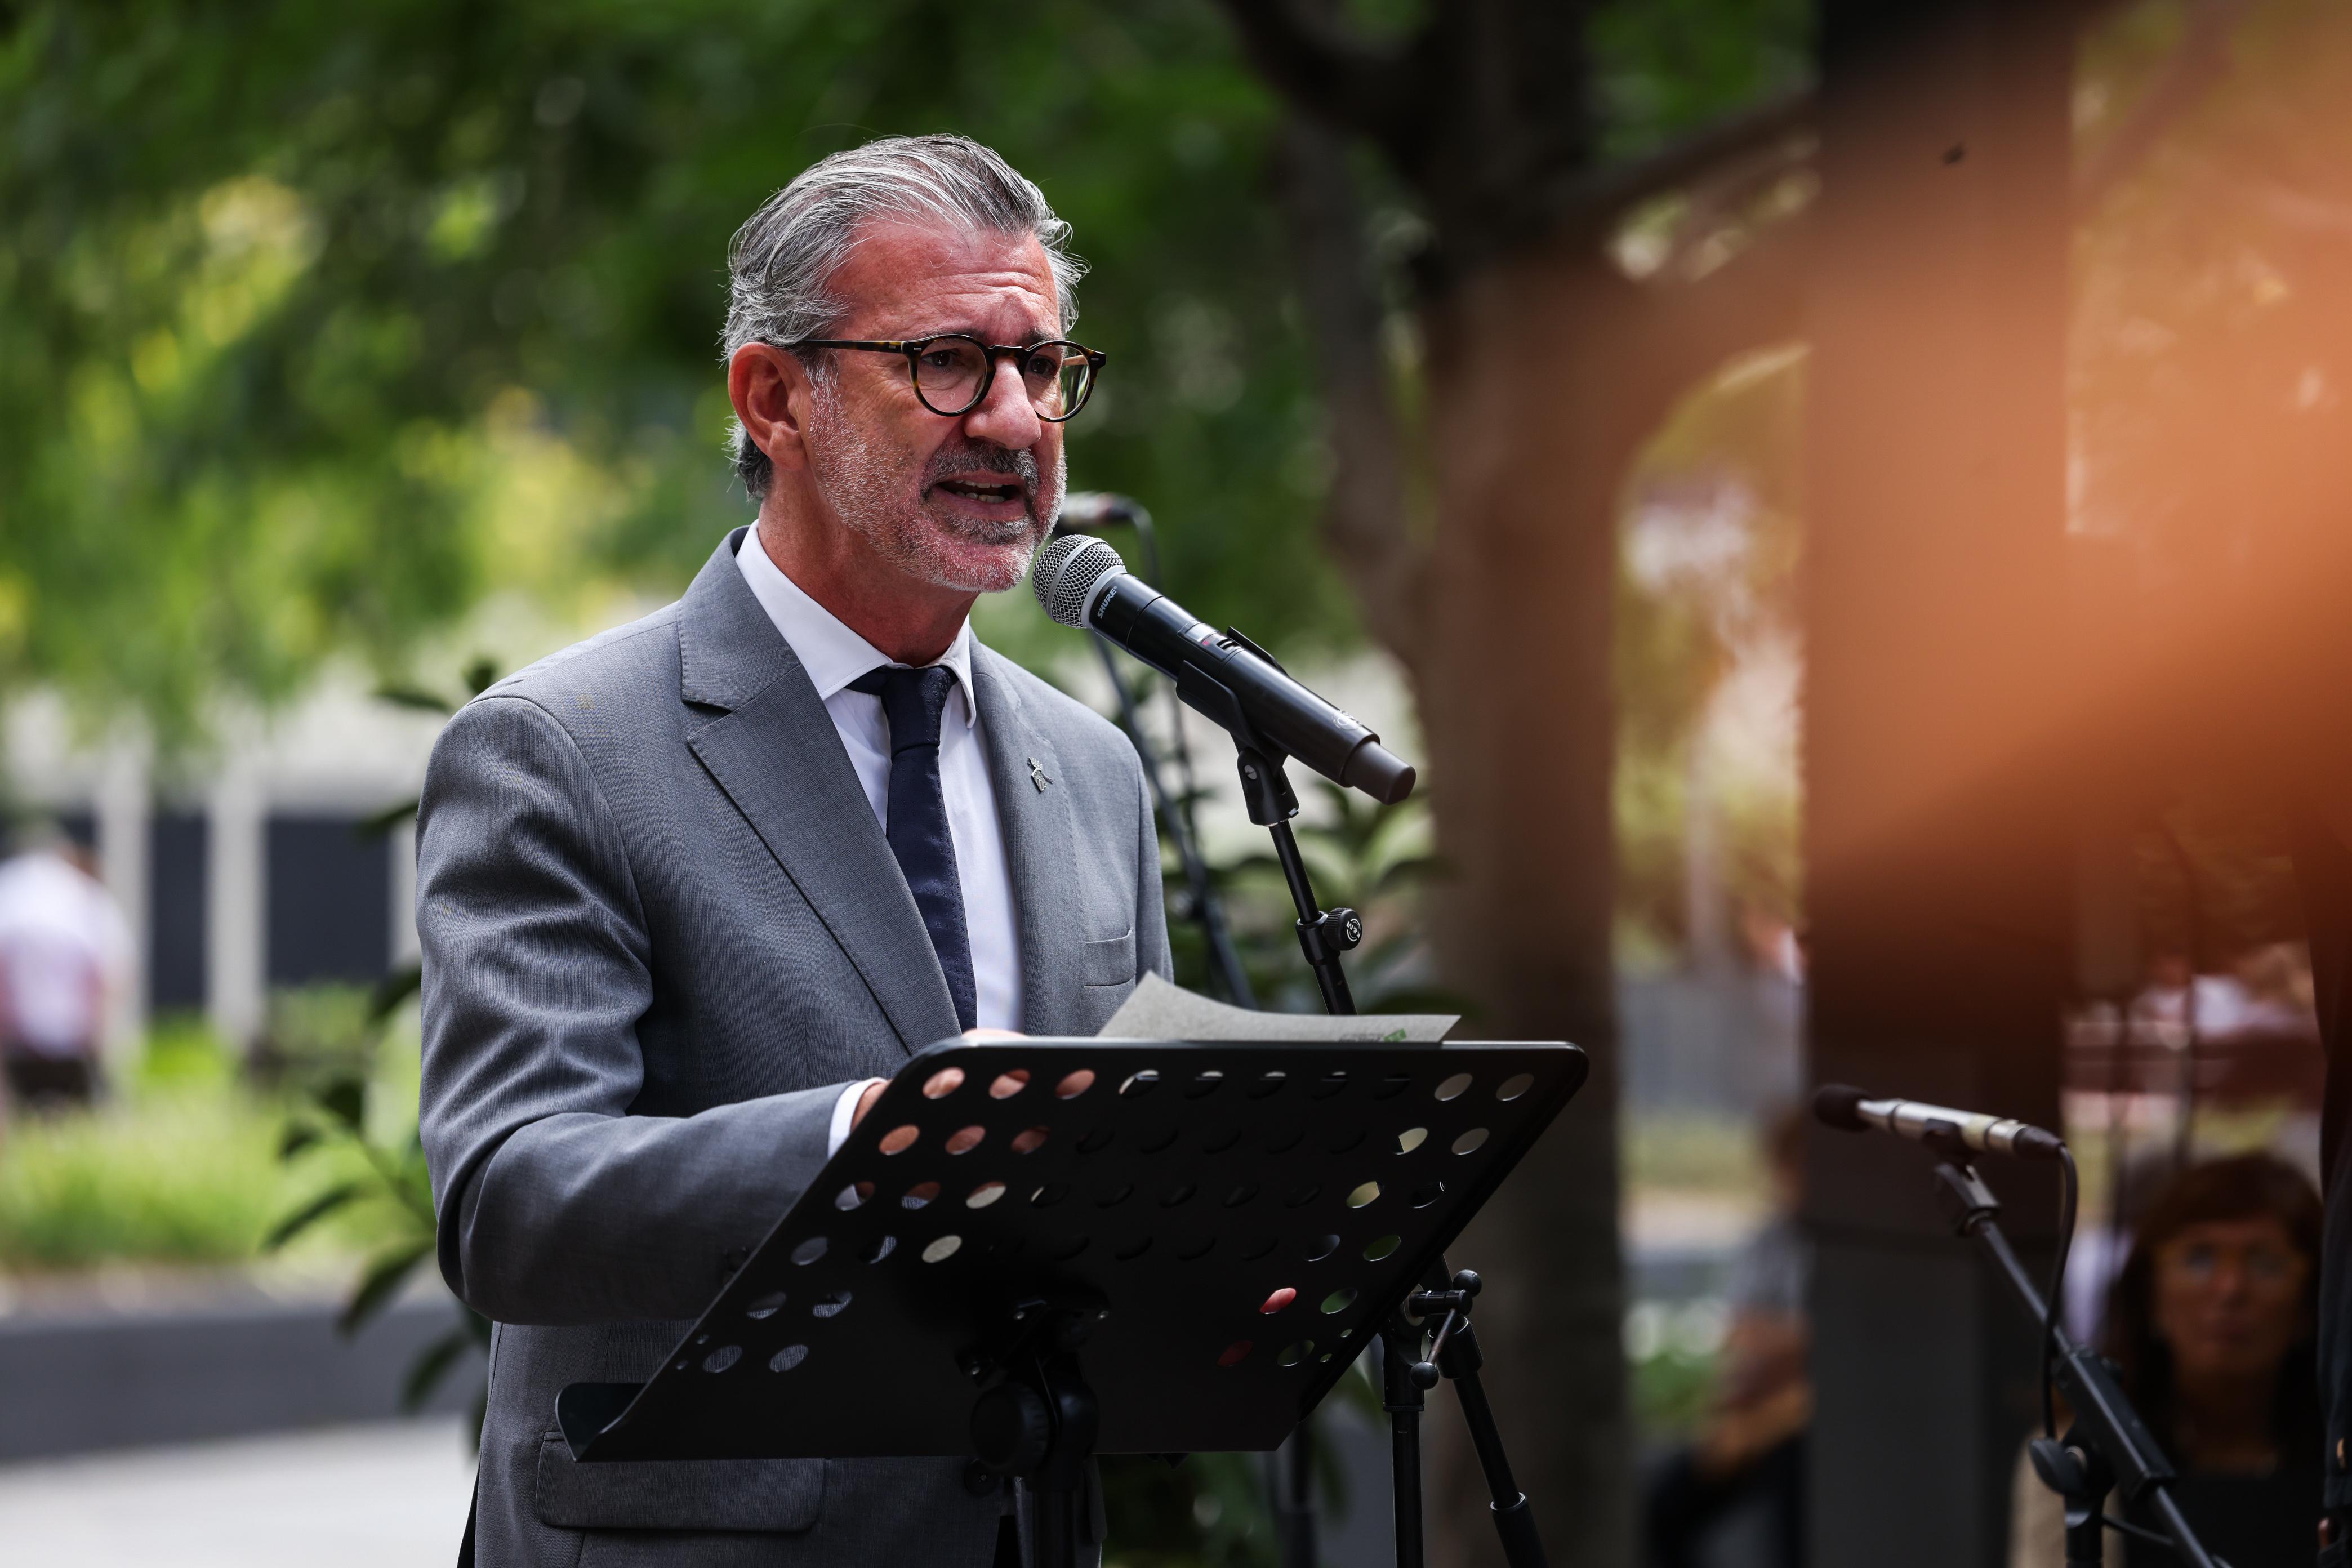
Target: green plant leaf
346,1100
386,1272
394,989
309,1214
1405,873
413,1185
297,1137
481,675
414,697
384,821
431,1365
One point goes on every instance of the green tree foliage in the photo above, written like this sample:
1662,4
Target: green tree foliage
1671,65
298,304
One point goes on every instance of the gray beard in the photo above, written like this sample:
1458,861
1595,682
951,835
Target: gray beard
857,475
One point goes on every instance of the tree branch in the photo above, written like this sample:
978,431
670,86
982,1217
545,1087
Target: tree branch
2198,66
1587,206
1327,71
1754,300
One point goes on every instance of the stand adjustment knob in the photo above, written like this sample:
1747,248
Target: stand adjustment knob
1012,1428
1343,929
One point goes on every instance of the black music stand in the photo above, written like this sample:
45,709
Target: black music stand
1033,1251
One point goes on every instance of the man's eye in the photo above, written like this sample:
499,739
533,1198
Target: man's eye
941,359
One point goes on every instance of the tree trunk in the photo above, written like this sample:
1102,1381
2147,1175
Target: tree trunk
1544,368
1530,440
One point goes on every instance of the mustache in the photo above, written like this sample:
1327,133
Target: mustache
976,458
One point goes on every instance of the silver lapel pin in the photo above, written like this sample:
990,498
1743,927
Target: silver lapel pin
1037,775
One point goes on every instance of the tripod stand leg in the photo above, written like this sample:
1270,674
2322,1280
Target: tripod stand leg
1515,1521
1403,1400
1294,1498
1459,1359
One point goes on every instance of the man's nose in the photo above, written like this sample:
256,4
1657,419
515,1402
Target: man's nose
1005,416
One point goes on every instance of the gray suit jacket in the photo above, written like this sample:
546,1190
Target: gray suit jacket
661,929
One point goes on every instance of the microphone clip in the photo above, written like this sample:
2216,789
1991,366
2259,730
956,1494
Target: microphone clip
1265,785
1968,1202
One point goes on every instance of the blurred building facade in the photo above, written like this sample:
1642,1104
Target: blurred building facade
248,866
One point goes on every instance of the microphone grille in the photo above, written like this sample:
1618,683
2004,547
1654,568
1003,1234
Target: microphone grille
1840,1106
1066,572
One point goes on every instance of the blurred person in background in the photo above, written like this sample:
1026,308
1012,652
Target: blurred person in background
65,952
1750,1450
2212,1325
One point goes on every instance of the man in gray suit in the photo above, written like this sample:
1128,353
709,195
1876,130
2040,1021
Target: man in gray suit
689,889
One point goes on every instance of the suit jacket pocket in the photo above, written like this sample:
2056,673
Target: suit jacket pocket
1110,961
779,1495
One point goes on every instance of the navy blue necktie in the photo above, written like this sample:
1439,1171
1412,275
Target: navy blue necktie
918,815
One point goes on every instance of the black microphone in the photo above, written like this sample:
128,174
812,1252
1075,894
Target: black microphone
1850,1110
1083,583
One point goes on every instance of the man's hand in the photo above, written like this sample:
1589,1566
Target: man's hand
874,1090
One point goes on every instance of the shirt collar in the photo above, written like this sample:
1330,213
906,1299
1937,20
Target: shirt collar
831,654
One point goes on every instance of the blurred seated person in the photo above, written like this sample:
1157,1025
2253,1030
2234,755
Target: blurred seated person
2211,1324
64,951
1750,1452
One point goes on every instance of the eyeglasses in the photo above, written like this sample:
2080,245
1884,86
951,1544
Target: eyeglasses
2200,1260
952,373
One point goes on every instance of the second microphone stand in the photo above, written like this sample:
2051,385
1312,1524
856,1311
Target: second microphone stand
2108,1447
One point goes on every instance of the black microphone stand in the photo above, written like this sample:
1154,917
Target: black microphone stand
1410,1361
2108,1447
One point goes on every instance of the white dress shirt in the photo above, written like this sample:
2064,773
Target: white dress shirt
834,656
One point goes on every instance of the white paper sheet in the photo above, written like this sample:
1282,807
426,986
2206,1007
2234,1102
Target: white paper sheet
1159,1011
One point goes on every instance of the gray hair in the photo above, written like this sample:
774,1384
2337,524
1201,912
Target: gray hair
780,264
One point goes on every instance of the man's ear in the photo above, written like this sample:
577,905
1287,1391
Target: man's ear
770,391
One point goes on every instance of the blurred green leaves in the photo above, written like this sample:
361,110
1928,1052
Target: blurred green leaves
317,324
331,1128
181,1175
1667,67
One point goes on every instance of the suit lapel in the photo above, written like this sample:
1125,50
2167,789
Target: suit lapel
1033,808
775,752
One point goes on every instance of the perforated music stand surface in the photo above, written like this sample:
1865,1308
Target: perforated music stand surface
1186,1186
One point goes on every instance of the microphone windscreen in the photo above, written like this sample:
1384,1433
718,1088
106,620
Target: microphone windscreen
1377,772
2036,1143
1839,1105
1064,575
